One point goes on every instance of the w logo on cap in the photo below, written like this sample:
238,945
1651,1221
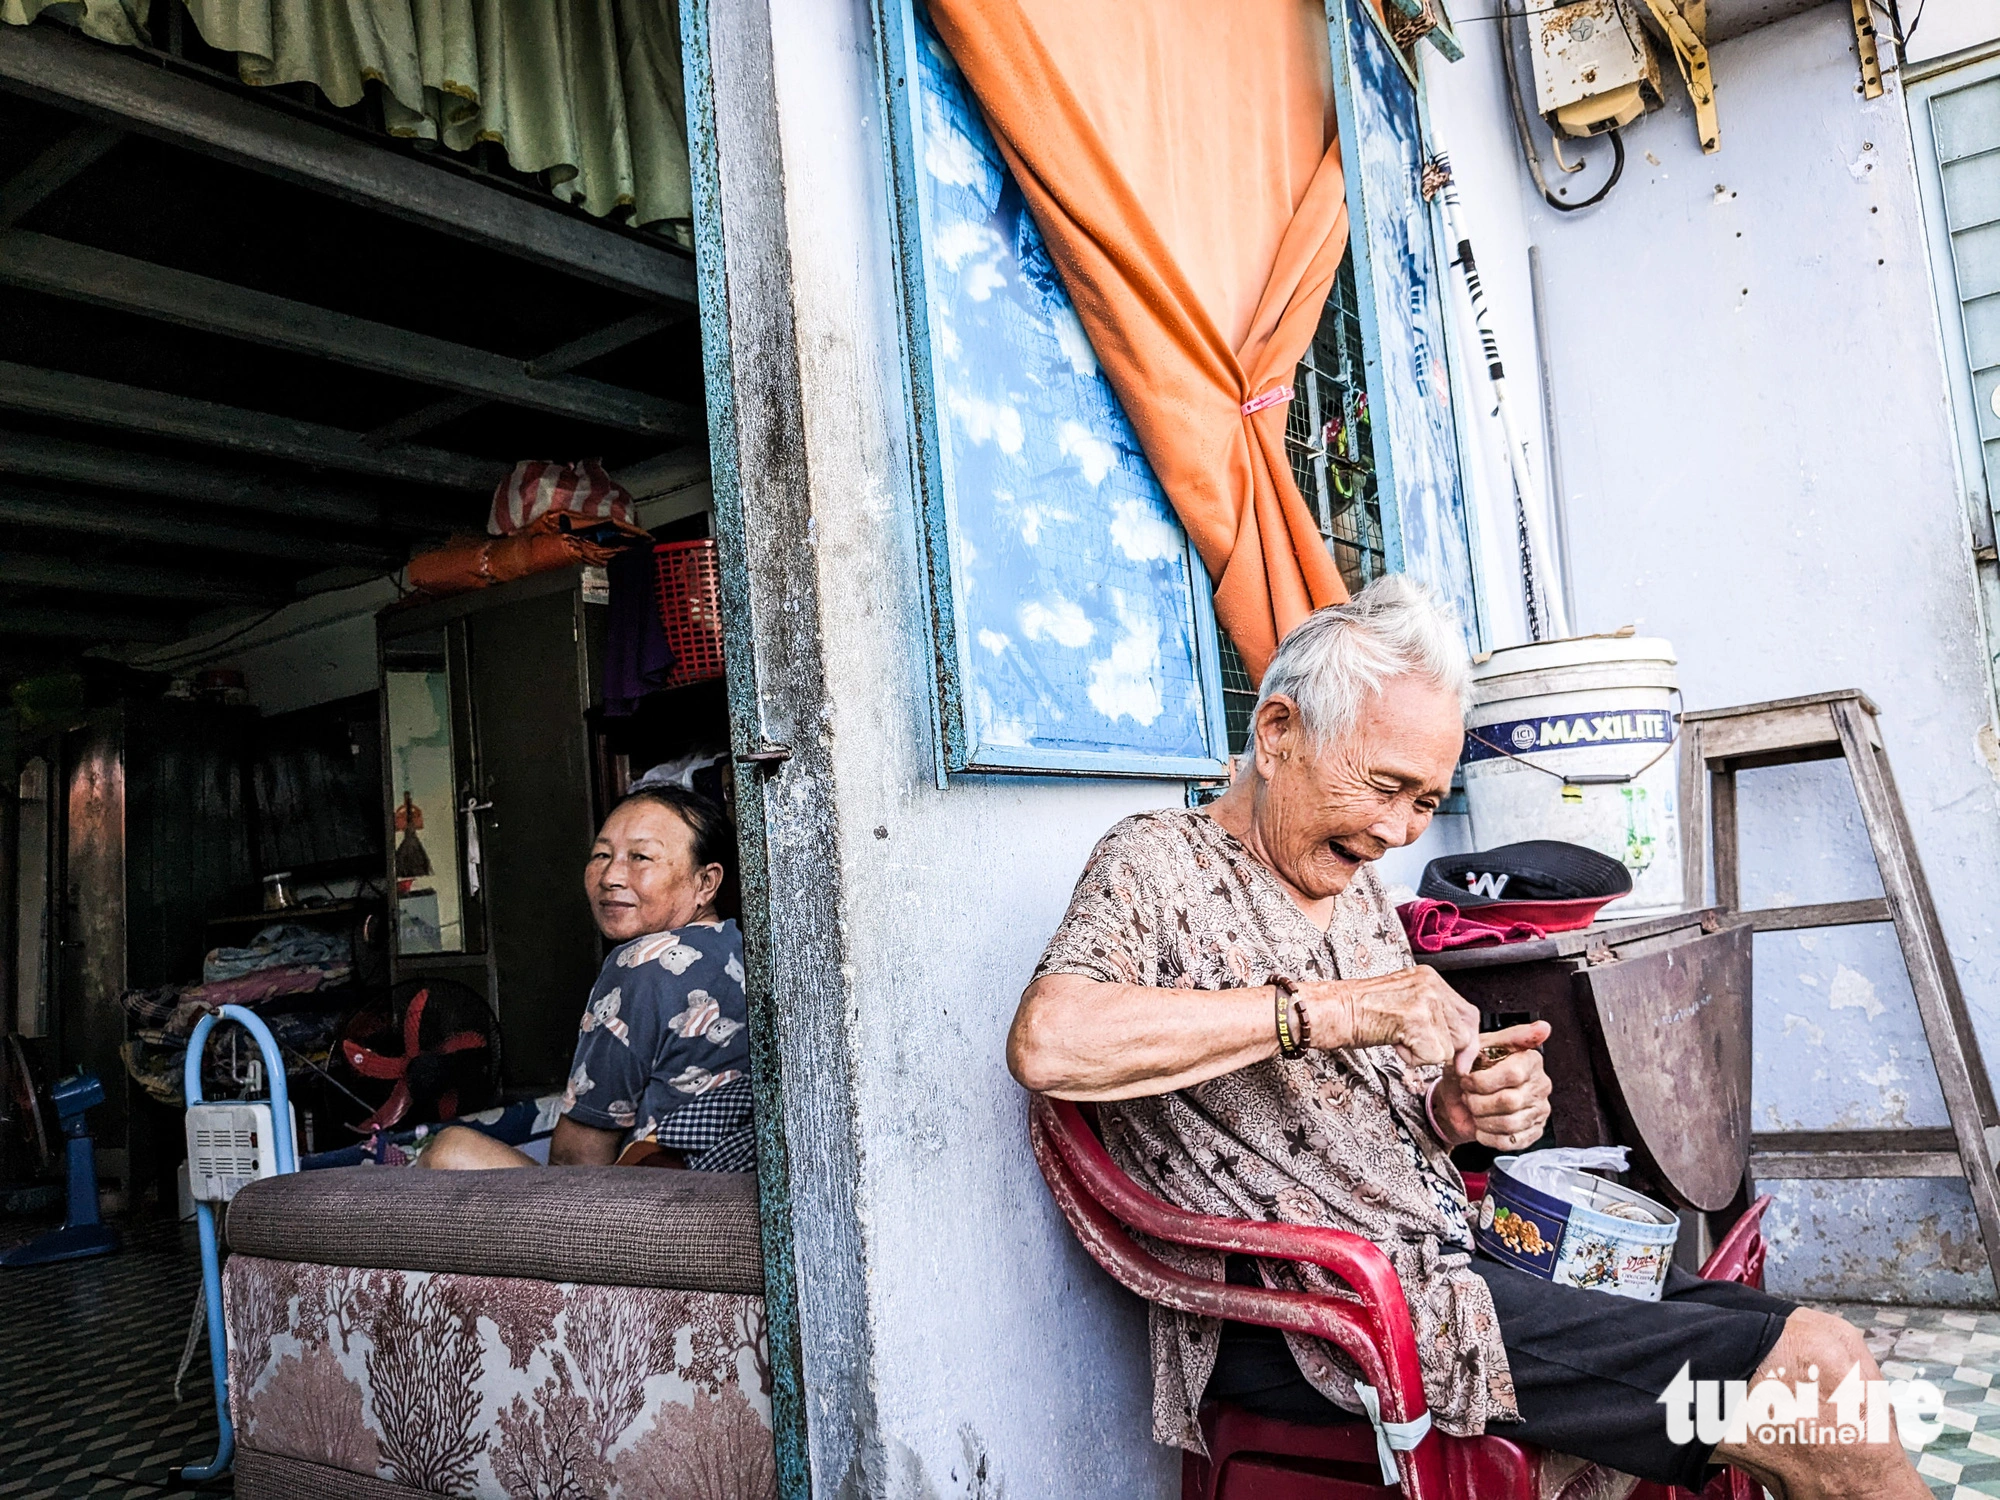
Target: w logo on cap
1489,886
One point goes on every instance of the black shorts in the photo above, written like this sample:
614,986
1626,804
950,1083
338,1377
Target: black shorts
1588,1367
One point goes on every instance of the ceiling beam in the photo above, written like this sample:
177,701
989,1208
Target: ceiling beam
18,659
106,403
134,581
85,625
664,472
141,95
207,485
81,273
124,520
565,357
52,171
608,340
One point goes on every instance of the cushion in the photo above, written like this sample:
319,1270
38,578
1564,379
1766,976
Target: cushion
601,1226
272,1476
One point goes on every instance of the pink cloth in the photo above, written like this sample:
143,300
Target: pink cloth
537,487
248,989
1434,926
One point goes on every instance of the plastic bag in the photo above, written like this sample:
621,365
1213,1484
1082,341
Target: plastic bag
1542,1170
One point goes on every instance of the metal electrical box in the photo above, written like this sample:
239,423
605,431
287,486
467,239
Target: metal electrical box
1595,68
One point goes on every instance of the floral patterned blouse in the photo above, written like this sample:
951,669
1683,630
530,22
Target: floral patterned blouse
663,1051
1341,1138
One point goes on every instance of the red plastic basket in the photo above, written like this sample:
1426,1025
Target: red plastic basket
690,597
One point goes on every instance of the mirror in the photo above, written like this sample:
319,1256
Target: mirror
425,855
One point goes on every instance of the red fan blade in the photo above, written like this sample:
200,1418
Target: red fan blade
373,1064
413,1018
393,1109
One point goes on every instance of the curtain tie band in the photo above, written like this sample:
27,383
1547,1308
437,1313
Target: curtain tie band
1276,396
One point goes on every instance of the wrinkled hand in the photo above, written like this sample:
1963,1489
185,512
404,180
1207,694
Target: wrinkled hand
1504,1104
1412,1010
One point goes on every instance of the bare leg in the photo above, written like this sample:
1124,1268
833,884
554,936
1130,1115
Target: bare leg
1825,1471
458,1149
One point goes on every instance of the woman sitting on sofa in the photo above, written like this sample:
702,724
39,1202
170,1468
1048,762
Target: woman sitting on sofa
661,1075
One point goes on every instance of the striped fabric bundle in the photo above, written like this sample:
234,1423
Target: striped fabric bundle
538,487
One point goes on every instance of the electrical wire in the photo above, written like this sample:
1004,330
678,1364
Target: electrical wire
1534,159
1610,182
197,1326
156,663
1502,15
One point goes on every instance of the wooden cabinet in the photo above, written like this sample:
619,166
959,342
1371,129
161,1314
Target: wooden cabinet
490,807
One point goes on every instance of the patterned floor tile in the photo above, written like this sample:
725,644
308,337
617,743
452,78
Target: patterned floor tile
87,1358
1960,1352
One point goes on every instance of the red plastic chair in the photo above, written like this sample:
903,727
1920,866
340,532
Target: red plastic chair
1256,1458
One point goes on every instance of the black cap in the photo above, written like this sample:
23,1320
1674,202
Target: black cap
1538,870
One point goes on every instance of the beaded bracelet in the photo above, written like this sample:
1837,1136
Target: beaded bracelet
1289,1046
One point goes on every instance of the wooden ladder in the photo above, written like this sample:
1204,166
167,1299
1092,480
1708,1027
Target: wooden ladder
1716,743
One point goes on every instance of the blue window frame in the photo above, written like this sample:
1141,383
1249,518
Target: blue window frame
1379,109
1071,618
1072,621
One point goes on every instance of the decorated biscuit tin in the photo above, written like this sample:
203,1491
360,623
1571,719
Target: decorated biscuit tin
1570,1227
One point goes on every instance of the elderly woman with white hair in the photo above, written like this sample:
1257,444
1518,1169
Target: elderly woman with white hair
1232,985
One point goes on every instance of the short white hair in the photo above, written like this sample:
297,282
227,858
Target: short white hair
1335,658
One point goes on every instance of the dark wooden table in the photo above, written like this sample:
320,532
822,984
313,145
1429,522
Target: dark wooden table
1650,1047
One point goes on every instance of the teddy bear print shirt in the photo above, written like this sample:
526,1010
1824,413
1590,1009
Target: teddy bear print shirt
663,1050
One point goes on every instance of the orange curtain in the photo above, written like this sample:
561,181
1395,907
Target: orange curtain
1179,158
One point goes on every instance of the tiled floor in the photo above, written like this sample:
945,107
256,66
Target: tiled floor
1960,1352
88,1352
87,1358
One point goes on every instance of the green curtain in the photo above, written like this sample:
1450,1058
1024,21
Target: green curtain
107,20
587,93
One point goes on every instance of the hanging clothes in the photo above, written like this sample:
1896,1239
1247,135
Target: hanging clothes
1180,161
637,658
115,21
587,93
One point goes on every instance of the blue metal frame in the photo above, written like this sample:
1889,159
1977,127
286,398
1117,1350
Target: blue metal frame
1344,17
211,1254
896,28
1968,421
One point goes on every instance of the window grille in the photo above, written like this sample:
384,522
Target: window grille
1965,131
1328,438
1327,434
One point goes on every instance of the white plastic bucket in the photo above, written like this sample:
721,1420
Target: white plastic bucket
1601,706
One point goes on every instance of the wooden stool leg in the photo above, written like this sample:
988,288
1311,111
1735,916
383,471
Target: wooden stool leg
1694,820
1954,1048
1954,994
1728,848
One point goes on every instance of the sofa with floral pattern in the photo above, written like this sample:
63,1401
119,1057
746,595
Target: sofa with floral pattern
561,1334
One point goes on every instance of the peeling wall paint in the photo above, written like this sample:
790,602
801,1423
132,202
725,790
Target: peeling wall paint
1914,1241
1708,325
996,1358
999,1360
